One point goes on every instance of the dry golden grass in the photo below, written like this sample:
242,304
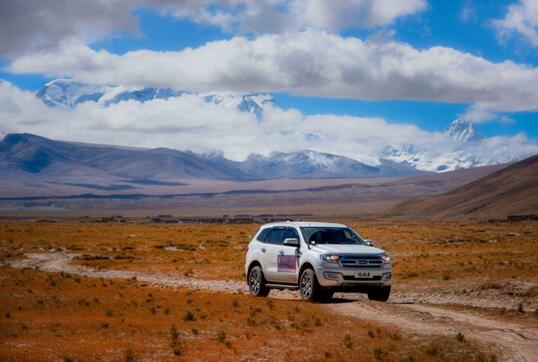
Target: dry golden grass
207,251
52,316
443,252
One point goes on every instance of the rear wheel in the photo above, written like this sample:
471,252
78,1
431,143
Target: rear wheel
381,294
310,289
256,282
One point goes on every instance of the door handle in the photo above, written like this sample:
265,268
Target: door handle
281,252
263,250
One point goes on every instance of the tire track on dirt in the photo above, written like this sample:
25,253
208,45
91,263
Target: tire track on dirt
61,262
515,342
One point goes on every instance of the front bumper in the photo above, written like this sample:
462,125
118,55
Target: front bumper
349,278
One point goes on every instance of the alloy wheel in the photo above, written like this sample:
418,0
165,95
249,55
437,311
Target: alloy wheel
306,286
255,281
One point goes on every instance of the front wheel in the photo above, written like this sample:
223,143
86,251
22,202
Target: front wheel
256,283
380,294
310,289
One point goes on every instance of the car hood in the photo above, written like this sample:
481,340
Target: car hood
346,249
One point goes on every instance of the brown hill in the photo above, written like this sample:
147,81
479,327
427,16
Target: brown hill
512,190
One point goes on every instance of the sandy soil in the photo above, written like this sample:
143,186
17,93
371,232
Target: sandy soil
515,339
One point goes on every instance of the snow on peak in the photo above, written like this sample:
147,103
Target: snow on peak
459,150
320,160
68,93
251,103
459,146
462,130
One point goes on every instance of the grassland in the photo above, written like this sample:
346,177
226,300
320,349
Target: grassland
443,252
53,316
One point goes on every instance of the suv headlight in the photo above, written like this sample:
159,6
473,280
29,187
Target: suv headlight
330,258
385,257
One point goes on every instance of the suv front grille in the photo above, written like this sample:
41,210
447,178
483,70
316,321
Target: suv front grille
374,278
361,261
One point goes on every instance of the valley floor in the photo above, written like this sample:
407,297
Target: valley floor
36,195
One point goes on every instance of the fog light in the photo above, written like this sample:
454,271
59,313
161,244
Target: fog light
387,276
330,275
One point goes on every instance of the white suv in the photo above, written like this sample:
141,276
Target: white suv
318,259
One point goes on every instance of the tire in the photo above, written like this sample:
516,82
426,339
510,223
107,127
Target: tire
256,282
380,294
309,287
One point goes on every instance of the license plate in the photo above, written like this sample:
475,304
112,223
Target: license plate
362,274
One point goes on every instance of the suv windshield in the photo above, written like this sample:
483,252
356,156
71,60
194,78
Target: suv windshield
331,235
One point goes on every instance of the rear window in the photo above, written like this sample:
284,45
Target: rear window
263,235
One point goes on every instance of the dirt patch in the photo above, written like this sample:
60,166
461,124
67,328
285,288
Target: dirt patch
515,341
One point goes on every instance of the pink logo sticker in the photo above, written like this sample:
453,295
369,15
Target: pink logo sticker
286,263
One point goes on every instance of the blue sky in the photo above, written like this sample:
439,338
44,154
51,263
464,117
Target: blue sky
441,24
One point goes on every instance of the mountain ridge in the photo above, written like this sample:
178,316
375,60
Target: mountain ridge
42,156
511,190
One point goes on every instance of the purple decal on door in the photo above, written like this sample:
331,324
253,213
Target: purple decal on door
286,263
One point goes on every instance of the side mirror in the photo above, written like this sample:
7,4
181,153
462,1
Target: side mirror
369,242
291,242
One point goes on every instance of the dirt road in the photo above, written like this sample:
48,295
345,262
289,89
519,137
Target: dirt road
515,340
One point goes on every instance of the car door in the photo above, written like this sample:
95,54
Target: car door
270,249
287,259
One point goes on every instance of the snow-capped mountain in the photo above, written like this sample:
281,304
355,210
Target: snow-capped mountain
461,139
461,130
435,161
458,146
68,93
312,164
251,103
27,154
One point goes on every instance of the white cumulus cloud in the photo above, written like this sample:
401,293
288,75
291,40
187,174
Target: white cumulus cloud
521,18
276,16
35,25
309,63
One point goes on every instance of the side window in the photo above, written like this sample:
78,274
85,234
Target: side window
276,236
263,235
291,233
